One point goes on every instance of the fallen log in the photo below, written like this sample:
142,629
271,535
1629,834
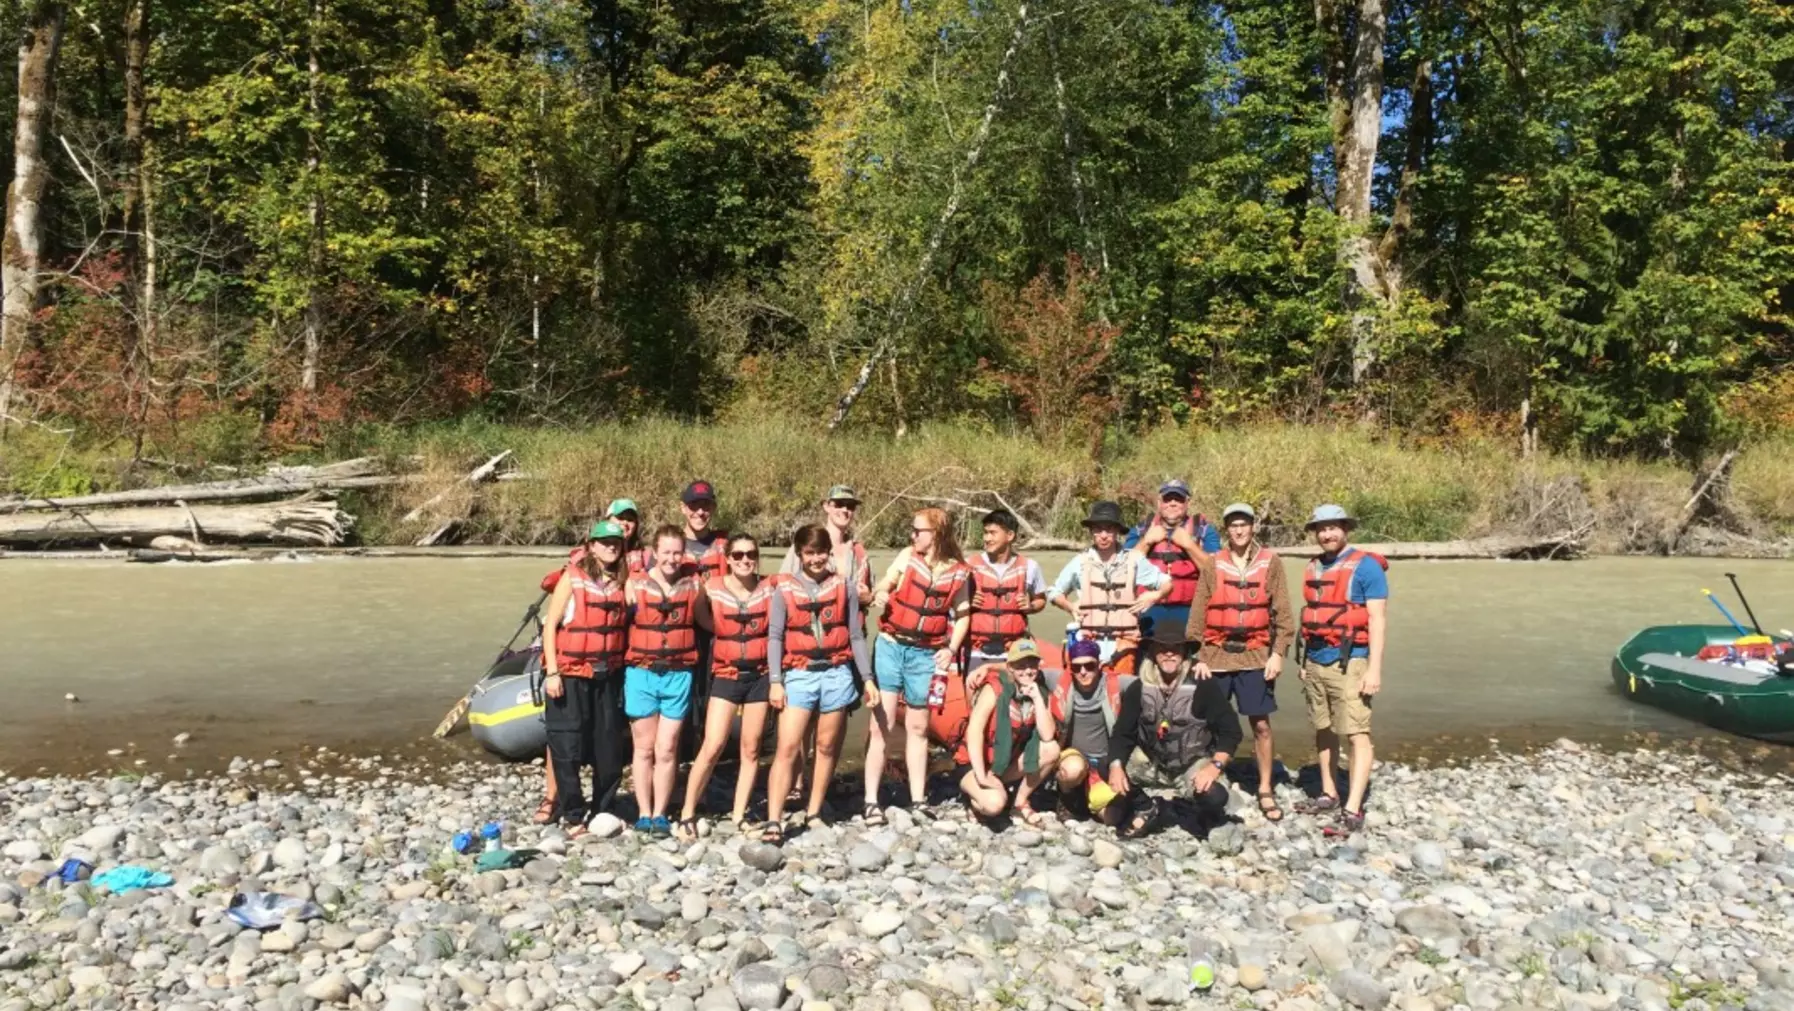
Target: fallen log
278,482
1565,544
484,472
303,522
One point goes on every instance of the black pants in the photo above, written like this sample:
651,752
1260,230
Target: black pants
586,727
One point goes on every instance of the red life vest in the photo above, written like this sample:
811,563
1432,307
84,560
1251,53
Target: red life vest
1238,616
663,634
739,648
816,632
1328,614
553,579
1060,701
920,612
1004,616
639,561
591,641
1021,719
1171,560
706,559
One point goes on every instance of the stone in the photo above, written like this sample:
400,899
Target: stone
1227,840
1252,977
1001,928
867,858
1000,866
716,999
1106,853
1429,858
914,1000
331,989
290,854
628,964
542,871
372,941
1328,947
1360,990
647,916
764,857
1432,924
100,839
758,986
693,907
605,826
880,921
24,851
219,860
1717,843
826,979
87,977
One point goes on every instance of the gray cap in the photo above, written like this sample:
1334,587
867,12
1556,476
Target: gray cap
1239,509
1330,513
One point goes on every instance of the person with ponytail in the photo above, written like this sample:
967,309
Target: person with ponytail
583,640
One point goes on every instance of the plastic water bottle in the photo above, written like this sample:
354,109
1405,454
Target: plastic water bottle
937,691
462,843
1071,636
1202,963
492,833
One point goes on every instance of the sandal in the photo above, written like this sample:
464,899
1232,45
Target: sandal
873,815
1267,806
544,814
1142,820
577,832
1029,816
686,829
1348,823
773,832
798,820
1319,805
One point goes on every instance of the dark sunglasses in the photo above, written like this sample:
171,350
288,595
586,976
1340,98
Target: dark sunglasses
920,530
1086,665
740,555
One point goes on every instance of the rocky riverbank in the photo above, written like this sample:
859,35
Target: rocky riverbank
1564,879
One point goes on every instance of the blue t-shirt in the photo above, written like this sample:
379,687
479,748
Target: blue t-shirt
1369,582
1204,532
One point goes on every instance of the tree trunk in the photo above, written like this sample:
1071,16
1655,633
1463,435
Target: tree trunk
308,371
319,524
1355,102
138,264
21,249
1401,218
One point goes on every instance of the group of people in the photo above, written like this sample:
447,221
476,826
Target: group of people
1174,624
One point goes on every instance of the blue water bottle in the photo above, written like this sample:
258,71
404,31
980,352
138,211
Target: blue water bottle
491,833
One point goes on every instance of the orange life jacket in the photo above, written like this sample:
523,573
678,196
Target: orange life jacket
637,562
1104,595
1060,701
1328,614
663,634
1021,719
920,612
1004,616
591,641
710,560
1238,616
739,649
816,632
1171,560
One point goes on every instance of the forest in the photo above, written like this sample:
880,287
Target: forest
249,226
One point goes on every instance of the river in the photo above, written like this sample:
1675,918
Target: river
364,655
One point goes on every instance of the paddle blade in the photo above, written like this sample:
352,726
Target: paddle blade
453,717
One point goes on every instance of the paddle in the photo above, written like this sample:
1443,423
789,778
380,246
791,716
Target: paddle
1722,610
460,708
1746,602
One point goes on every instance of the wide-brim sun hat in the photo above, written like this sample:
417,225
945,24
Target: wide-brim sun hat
1330,513
1105,513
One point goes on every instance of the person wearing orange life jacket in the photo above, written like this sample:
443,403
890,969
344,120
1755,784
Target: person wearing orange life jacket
1241,618
925,604
1007,588
1345,608
666,615
639,557
815,644
583,645
848,557
1098,713
705,546
1010,738
1178,543
740,605
1106,589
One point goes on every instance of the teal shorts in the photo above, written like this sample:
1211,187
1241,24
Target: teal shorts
903,668
648,693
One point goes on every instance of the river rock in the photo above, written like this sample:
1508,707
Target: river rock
867,858
764,857
1431,924
1329,949
331,989
914,1000
1106,854
1428,858
880,921
693,907
290,854
1227,840
24,851
1360,990
758,986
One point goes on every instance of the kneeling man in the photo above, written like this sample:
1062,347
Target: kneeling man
1188,731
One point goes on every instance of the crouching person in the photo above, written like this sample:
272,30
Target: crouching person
1009,737
1188,731
1096,711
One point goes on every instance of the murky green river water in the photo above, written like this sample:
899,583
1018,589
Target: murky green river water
366,654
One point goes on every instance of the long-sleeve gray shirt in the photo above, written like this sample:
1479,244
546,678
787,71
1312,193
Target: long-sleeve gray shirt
775,632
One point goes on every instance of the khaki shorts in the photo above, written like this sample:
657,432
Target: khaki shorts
1334,701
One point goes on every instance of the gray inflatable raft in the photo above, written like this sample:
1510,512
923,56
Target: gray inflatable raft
506,714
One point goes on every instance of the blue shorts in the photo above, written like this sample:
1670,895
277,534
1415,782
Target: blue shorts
901,668
1252,694
821,691
656,693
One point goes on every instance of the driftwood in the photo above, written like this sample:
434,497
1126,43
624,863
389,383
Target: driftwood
300,522
1030,539
1709,493
1564,544
487,471
278,482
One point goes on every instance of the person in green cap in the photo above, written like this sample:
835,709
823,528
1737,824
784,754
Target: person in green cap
583,641
638,558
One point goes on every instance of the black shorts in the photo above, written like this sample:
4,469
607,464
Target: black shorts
741,691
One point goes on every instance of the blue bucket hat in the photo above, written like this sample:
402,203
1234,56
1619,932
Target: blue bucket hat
1330,513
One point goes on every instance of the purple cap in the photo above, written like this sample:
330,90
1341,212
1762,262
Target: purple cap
1083,649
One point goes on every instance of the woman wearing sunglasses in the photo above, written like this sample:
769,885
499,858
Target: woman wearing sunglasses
740,605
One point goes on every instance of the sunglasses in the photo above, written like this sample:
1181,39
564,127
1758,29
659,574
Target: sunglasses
1085,666
741,556
920,530
849,506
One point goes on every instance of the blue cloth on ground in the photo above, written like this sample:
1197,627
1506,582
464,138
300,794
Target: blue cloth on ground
129,878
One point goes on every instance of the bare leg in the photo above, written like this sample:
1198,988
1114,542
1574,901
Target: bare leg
753,726
915,747
666,764
1361,760
1326,742
1049,758
1261,750
830,728
641,734
716,737
884,716
987,801
793,722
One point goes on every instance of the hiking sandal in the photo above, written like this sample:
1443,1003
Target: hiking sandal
1142,819
772,832
1319,805
873,815
1029,816
577,832
544,814
1267,806
1348,823
686,829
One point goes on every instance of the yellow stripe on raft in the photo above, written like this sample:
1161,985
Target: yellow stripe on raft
504,715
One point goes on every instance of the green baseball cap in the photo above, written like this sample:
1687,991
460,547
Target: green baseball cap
620,506
842,493
605,530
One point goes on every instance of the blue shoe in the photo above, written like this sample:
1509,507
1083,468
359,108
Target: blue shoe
660,827
645,824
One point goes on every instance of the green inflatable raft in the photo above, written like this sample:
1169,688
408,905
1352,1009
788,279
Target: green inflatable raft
1659,666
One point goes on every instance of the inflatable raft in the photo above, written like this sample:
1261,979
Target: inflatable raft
1710,674
506,711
